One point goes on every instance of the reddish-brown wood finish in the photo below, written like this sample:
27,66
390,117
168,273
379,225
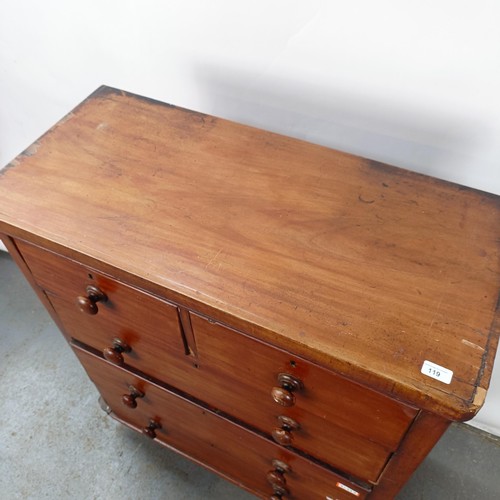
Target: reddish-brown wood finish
282,396
341,423
88,303
147,325
426,431
361,267
296,289
239,454
150,429
114,353
283,434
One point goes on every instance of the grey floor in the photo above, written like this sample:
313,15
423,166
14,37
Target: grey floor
56,443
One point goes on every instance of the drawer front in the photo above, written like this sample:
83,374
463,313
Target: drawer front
233,451
341,423
149,326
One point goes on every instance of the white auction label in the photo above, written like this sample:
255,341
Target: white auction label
346,488
437,372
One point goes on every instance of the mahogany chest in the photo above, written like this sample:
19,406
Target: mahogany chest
304,322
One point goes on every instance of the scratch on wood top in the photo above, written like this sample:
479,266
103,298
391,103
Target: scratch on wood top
471,344
436,313
213,259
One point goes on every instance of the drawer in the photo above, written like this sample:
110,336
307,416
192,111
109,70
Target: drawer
342,423
214,441
149,326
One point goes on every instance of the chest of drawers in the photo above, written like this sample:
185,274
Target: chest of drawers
304,322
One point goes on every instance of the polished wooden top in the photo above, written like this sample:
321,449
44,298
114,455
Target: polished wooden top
361,267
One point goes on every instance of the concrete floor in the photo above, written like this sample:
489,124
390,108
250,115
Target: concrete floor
56,443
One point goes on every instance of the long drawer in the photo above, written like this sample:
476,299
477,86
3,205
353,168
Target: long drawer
245,457
334,419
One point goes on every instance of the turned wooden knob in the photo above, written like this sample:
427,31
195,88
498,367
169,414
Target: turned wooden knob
130,399
276,479
283,395
279,492
114,353
88,303
283,435
150,430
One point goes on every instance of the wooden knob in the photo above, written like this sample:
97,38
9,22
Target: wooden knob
113,356
279,492
130,399
114,353
150,430
283,395
282,436
276,478
281,466
88,303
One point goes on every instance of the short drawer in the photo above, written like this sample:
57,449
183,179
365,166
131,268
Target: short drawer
340,422
214,441
147,327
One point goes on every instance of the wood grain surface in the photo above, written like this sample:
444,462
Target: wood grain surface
363,268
